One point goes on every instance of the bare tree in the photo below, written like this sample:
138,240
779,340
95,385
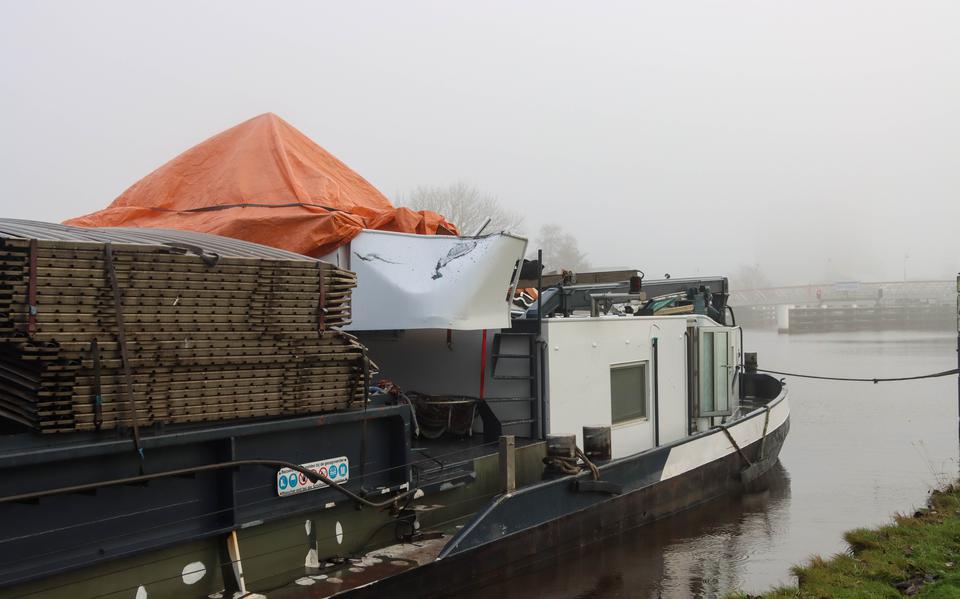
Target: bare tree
465,206
560,250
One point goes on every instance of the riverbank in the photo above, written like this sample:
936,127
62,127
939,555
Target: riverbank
916,556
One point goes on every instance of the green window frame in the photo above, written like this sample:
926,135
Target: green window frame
629,395
715,374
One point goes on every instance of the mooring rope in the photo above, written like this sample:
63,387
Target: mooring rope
864,380
733,442
571,466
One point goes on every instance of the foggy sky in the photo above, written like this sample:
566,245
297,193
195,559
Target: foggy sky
816,139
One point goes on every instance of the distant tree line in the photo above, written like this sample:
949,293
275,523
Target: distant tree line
468,208
465,206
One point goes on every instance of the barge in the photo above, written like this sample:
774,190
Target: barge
410,477
373,408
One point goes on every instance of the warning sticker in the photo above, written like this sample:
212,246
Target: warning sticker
291,482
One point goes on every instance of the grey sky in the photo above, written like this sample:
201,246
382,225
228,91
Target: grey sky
818,139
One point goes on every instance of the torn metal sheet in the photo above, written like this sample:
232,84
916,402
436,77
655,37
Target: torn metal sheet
409,281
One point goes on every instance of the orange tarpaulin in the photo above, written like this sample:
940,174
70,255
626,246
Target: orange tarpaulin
262,181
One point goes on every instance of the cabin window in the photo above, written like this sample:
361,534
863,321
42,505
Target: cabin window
715,373
628,391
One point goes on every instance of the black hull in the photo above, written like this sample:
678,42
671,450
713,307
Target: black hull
526,549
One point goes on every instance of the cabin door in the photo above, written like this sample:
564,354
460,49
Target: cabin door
715,373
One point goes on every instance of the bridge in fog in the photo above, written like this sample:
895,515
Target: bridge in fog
844,292
849,306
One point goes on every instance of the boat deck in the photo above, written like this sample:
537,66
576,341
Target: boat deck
437,458
332,578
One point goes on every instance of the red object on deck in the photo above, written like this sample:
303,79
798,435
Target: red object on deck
483,361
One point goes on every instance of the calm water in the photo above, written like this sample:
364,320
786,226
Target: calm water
857,453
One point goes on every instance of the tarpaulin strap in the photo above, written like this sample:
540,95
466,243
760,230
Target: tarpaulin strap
449,339
210,259
322,303
32,288
366,399
122,342
290,382
366,376
249,205
97,389
743,456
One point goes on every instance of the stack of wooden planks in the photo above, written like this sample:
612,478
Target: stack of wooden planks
100,336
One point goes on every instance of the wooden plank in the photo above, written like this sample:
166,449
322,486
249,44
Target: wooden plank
231,340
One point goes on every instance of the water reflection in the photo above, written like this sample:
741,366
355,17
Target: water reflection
705,551
699,553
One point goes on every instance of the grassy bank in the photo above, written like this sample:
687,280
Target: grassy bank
917,556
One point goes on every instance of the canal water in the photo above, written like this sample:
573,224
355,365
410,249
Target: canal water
857,453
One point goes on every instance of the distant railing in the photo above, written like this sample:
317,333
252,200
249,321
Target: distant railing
886,291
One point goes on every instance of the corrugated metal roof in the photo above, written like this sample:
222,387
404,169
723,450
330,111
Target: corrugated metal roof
215,244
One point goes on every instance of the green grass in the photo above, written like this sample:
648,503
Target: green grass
921,551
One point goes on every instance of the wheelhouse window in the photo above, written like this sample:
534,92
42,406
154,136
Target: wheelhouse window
628,391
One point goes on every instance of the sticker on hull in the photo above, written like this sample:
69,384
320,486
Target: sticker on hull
291,482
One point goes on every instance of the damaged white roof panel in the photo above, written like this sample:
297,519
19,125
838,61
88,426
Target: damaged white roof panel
407,281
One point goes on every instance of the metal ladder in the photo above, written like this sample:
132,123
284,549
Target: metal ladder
531,374
532,331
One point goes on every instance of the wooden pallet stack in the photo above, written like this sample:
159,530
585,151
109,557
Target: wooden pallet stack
204,337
